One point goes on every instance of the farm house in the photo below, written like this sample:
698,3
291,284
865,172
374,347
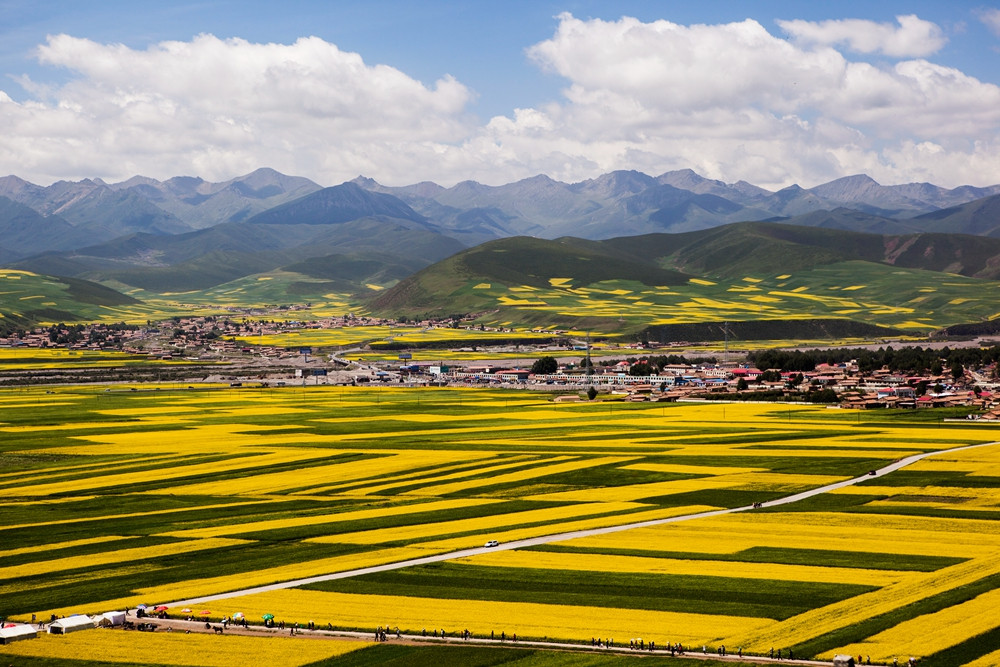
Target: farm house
69,624
16,632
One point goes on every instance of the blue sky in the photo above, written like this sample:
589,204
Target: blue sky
770,92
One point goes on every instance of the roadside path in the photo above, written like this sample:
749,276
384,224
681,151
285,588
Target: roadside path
319,634
560,537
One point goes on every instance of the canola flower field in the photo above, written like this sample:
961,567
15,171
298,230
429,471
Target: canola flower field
112,499
909,299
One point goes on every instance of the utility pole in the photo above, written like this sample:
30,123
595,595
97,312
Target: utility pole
590,366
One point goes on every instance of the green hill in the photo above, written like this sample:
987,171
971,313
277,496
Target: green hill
520,260
737,273
27,299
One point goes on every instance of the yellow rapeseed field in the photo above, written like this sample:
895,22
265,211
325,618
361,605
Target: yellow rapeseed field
671,566
414,614
182,650
110,557
356,515
486,465
930,633
487,523
917,586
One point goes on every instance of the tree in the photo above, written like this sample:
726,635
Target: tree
957,371
640,368
741,385
544,366
591,393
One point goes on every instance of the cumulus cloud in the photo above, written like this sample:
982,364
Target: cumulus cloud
219,108
730,101
912,38
737,102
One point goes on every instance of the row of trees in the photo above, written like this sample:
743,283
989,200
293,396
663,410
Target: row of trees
651,365
914,360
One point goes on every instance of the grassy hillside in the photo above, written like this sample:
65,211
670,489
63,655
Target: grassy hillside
28,298
746,272
755,272
520,261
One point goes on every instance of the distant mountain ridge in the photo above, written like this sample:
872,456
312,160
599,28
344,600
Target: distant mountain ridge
188,233
632,203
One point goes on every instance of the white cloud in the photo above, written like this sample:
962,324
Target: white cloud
736,102
218,108
729,101
991,19
913,37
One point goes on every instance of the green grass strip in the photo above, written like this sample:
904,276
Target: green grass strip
965,652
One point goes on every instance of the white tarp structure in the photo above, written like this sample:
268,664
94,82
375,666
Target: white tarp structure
111,618
13,633
69,624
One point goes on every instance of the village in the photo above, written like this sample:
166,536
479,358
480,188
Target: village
220,349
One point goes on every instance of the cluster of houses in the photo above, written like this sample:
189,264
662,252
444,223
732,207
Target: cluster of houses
211,337
851,388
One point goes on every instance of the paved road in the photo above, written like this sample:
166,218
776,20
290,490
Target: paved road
560,537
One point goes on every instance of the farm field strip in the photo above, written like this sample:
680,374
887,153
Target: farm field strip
606,563
355,515
181,650
357,488
500,526
131,515
412,614
892,596
873,534
113,557
921,635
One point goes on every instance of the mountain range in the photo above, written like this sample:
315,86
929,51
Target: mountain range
187,234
